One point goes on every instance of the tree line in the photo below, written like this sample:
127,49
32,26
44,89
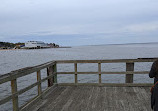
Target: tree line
10,45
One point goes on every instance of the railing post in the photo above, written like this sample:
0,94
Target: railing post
54,71
15,98
99,72
129,67
39,85
75,67
50,72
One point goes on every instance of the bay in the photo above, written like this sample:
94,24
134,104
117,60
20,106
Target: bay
15,59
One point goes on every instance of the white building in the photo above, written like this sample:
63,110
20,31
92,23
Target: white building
35,44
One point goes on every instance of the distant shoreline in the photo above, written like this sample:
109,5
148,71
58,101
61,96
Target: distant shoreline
135,43
91,45
124,44
32,49
9,49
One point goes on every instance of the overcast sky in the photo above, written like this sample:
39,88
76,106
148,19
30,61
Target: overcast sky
79,22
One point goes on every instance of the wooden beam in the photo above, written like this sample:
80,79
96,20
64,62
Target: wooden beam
50,72
55,75
109,84
23,72
15,98
75,68
99,72
106,61
127,72
46,78
39,80
129,77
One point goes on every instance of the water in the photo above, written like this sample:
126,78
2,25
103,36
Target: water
16,59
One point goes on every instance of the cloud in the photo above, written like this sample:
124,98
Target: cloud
143,27
84,20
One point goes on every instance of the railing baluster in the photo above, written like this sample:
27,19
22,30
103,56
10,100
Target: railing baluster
99,72
54,71
39,79
129,67
50,72
15,98
75,66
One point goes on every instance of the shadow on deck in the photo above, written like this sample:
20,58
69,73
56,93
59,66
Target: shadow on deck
92,98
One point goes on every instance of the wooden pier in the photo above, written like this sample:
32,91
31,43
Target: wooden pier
77,96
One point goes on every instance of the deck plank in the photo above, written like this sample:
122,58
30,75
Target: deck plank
93,98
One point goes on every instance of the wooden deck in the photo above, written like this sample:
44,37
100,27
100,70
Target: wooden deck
93,98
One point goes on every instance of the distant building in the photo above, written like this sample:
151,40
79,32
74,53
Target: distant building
35,44
53,45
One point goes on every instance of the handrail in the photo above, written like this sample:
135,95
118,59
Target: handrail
107,61
127,72
14,75
23,72
52,76
129,67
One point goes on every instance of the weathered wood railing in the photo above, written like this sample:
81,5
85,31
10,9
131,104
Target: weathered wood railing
12,77
129,71
52,77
